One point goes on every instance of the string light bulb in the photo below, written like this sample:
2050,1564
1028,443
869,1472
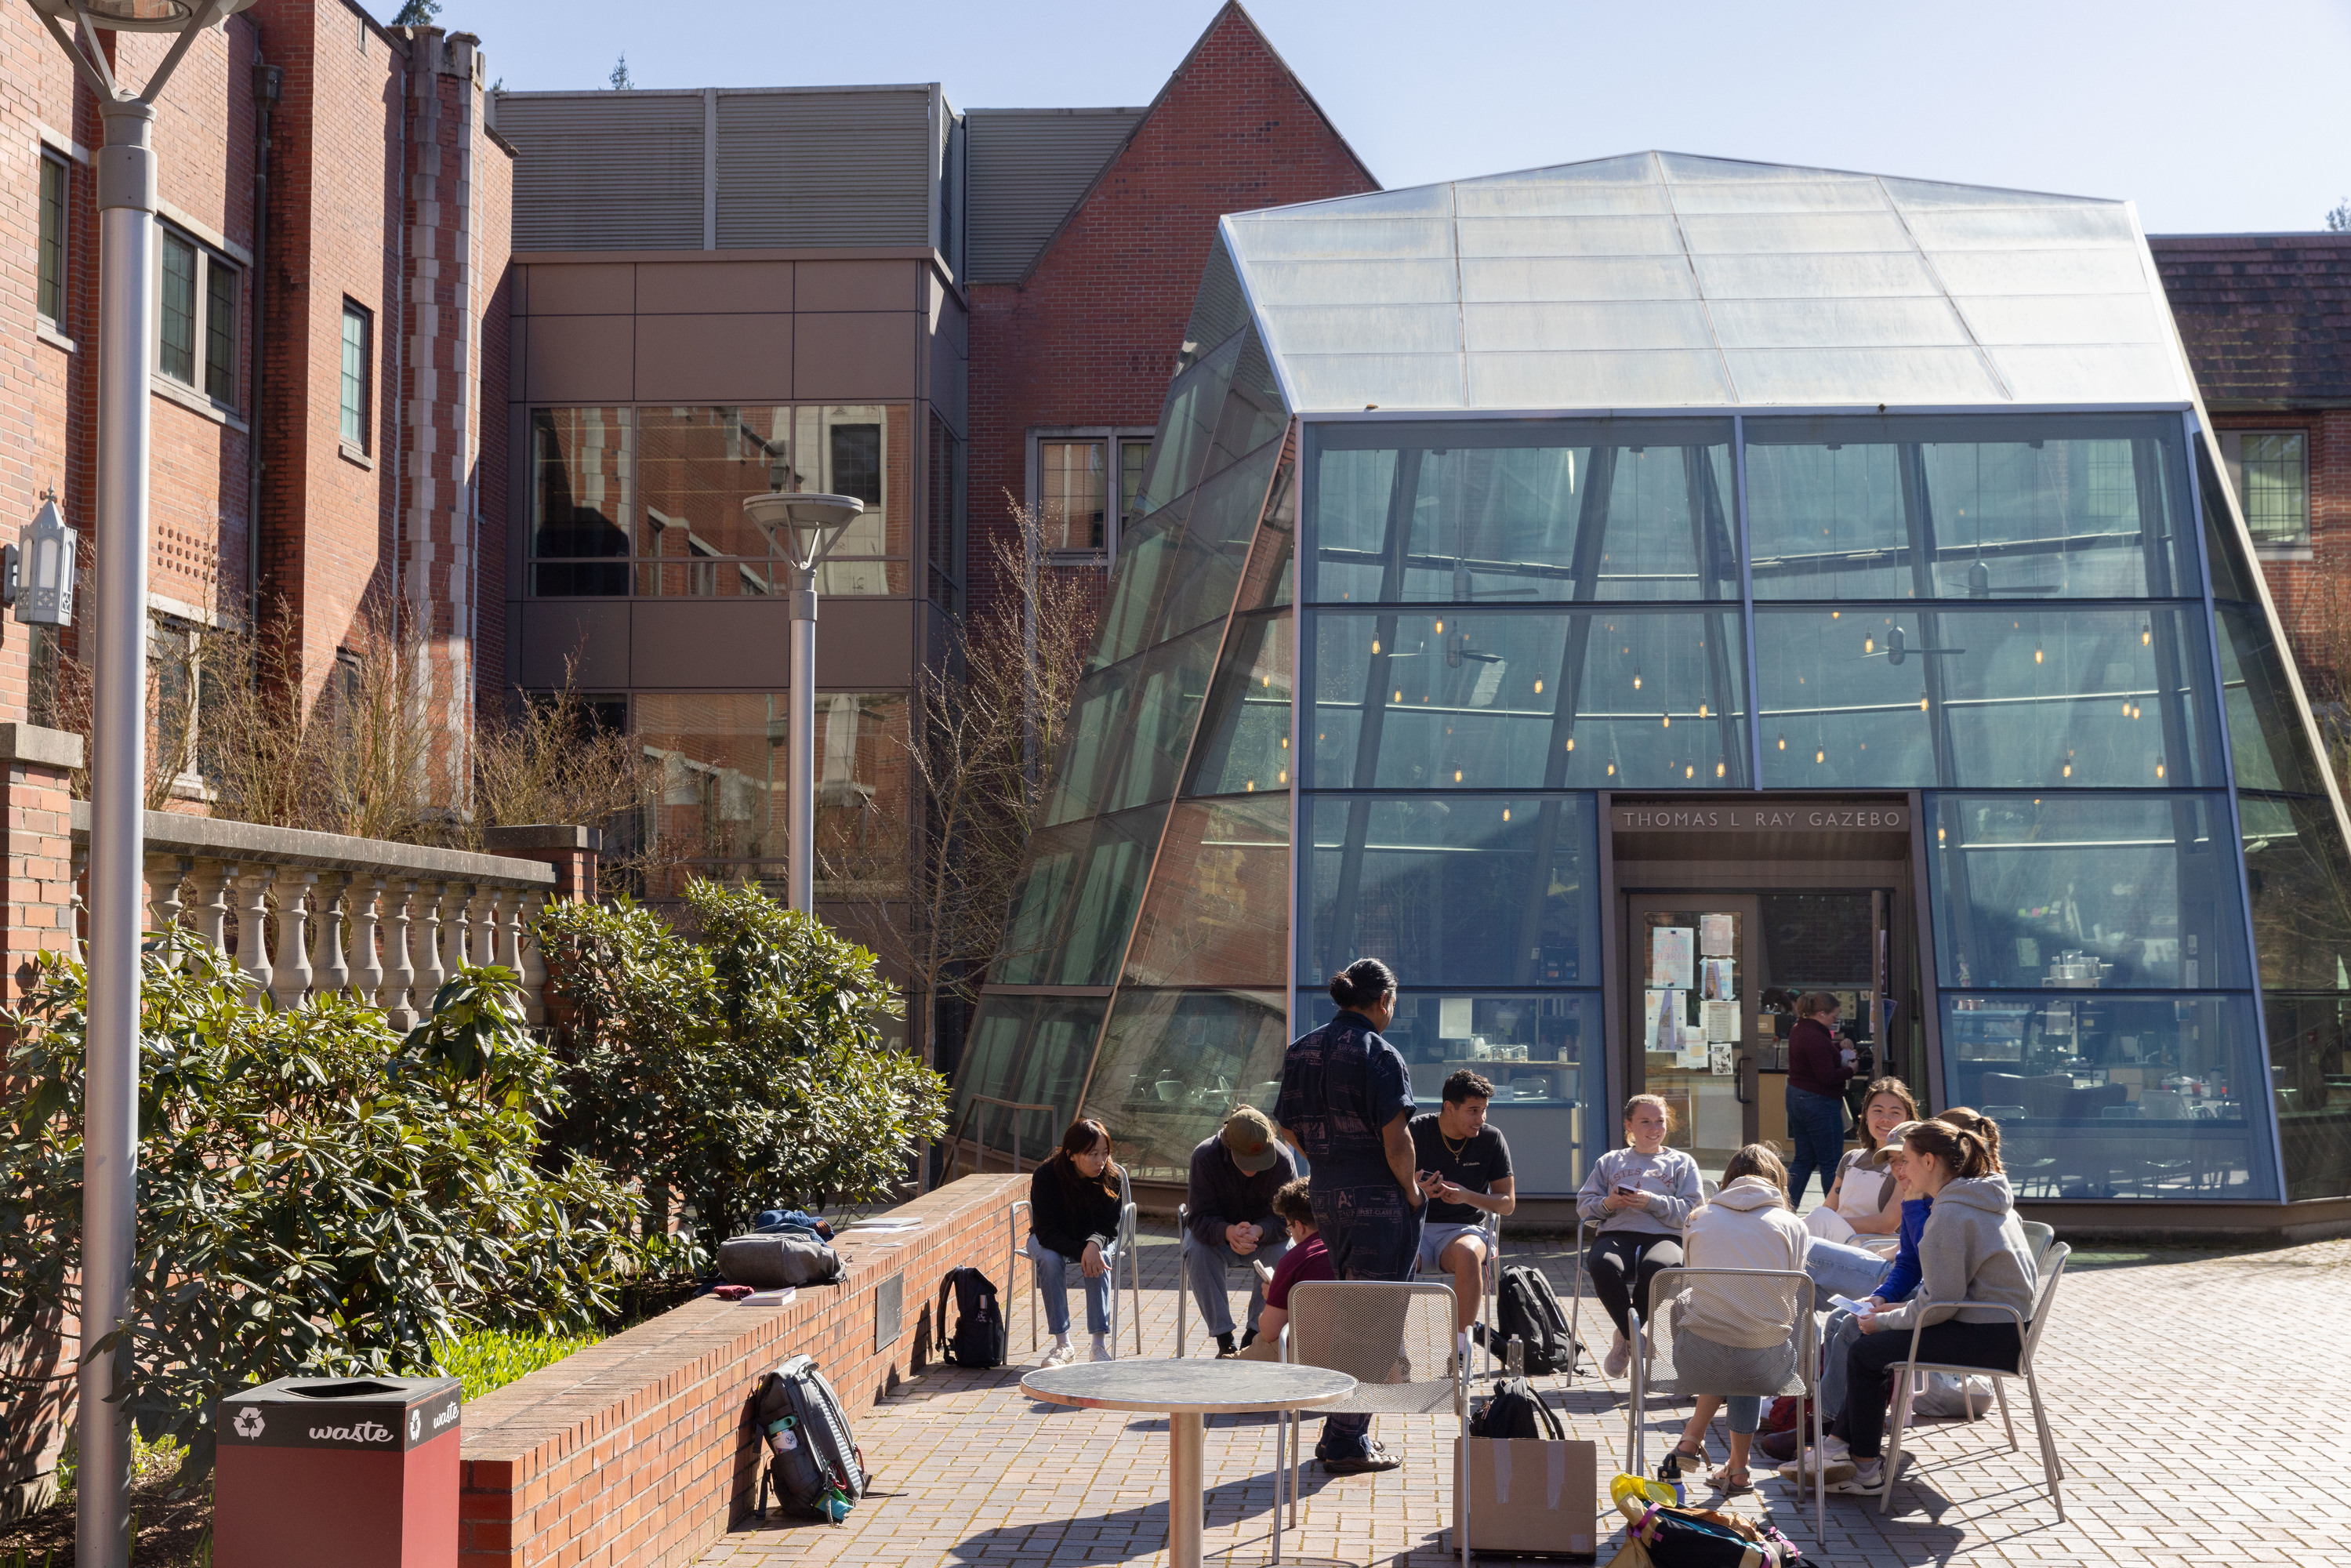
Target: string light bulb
1689,770
1636,680
1922,705
1506,813
1376,644
1783,743
2145,636
1440,628
1669,721
1717,771
1570,743
2036,655
1537,685
1821,756
1285,776
1457,776
1612,771
1869,644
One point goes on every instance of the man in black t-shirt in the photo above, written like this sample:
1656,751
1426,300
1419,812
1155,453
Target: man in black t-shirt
1464,1173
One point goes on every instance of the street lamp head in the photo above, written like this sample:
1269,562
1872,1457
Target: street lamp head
814,522
36,573
137,16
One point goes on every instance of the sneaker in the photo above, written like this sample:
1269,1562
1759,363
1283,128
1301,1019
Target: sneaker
1248,1338
1378,1458
1225,1351
1101,1353
1835,1468
1779,1446
1863,1477
1620,1356
1060,1355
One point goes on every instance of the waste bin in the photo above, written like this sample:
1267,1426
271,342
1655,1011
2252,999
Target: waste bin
355,1473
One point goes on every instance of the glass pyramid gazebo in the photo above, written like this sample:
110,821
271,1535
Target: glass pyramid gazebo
1537,564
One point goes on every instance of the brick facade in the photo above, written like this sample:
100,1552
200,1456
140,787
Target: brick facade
1090,336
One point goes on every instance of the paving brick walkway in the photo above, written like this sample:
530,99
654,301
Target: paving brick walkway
2202,1407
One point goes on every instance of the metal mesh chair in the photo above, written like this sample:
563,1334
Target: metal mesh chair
1785,1295
1397,1341
2053,1469
1122,1249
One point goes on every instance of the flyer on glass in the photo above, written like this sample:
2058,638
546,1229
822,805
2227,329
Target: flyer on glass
1714,936
1671,962
1719,980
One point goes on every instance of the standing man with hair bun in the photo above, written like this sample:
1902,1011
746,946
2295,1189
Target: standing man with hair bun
1346,1105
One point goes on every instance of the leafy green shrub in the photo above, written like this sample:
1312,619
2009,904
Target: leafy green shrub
492,1358
742,1071
316,1194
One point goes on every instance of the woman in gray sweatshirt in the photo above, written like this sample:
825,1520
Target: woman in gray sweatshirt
1975,1270
1641,1196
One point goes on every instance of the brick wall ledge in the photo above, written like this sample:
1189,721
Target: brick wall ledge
208,838
634,1453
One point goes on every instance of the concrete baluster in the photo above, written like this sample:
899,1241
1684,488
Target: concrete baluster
164,875
366,964
399,946
482,924
77,904
211,879
424,931
291,981
330,900
252,924
530,962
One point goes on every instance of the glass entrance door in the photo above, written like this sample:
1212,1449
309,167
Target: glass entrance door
1691,957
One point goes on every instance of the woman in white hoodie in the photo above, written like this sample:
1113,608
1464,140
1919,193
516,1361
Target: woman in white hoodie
1736,1333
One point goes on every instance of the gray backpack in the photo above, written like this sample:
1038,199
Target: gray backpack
774,1260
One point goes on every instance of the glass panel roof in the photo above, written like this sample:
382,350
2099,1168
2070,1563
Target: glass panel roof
1658,279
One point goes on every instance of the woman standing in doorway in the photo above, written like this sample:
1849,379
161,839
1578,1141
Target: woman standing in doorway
1816,1075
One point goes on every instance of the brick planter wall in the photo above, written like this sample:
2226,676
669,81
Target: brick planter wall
635,1453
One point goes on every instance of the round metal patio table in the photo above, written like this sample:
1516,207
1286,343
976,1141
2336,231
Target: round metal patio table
1187,1391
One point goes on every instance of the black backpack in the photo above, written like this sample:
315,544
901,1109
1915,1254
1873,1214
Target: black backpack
1516,1410
813,1463
1527,1310
979,1337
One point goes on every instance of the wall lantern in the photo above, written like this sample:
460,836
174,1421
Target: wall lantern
36,573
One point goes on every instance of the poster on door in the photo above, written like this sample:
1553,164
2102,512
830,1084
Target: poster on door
1714,936
1718,979
1672,964
1661,1020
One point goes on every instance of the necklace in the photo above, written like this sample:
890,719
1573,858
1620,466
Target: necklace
1450,1146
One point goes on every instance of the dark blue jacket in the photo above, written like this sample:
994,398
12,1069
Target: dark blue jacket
1340,1085
1903,1277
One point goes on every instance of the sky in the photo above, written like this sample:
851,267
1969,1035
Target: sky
2211,118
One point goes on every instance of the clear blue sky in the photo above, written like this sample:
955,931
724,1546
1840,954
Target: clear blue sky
2211,117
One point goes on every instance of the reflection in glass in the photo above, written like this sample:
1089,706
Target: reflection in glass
1244,745
1178,570
2084,892
1188,428
1217,911
2268,740
2233,580
1967,508
1565,510
2115,1096
1992,698
1478,890
1528,700
2309,1070
1129,728
2299,878
580,500
1029,1051
1173,1064
1075,903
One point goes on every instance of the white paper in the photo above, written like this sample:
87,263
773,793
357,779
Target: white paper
1714,936
1453,1016
1719,978
1849,1305
1670,959
1693,1052
1661,1020
1722,1020
1718,1061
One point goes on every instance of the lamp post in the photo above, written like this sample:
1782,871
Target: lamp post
811,524
126,335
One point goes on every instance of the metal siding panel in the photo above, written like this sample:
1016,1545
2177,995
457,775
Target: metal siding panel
824,168
1026,169
605,171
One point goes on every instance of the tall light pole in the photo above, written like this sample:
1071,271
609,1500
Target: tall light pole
126,342
810,525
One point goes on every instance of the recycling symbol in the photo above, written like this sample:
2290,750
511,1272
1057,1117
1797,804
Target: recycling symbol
416,1424
248,1423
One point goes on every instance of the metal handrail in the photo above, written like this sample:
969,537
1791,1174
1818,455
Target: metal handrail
955,1143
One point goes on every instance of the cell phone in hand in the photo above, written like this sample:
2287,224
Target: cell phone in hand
1626,1192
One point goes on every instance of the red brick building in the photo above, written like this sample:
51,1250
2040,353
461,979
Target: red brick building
330,318
1076,315
2266,320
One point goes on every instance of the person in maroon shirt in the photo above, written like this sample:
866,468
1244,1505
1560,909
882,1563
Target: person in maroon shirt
1816,1075
1307,1258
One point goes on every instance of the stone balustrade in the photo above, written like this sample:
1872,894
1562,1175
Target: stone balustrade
306,914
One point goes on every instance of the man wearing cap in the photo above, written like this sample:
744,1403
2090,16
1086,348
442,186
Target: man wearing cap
1232,1223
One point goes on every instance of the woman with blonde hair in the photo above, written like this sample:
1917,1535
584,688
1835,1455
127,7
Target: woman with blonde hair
1639,1196
1736,1333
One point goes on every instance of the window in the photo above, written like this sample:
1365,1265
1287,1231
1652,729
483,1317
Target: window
2271,469
358,331
199,318
51,300
1085,487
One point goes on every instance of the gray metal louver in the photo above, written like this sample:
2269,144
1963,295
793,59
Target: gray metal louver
605,171
824,168
1028,169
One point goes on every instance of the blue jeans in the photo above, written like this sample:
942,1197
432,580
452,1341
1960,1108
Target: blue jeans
1053,1274
1372,1234
1744,1412
1817,1125
1204,1266
1841,1270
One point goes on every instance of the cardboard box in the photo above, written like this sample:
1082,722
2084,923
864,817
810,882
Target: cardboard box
1528,1496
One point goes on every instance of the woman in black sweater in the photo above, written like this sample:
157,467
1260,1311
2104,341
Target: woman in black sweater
1816,1076
1073,1212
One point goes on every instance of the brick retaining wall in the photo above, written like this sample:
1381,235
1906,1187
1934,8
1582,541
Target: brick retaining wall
634,1453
